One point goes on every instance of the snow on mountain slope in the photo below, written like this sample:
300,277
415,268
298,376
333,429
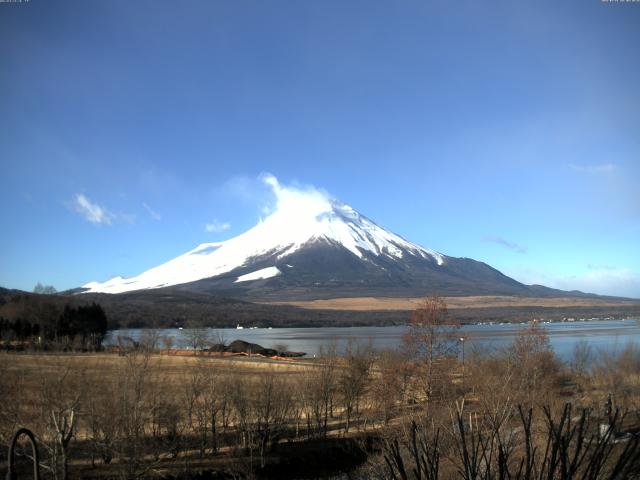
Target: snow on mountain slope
259,274
300,217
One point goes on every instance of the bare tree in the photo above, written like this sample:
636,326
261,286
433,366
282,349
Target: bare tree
196,336
581,362
320,389
193,404
214,400
60,396
534,365
167,342
272,405
44,289
354,378
240,397
430,337
13,408
133,384
104,421
390,383
165,426
617,372
149,340
521,445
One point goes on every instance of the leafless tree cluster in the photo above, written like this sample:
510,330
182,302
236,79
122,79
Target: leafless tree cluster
503,416
512,419
475,445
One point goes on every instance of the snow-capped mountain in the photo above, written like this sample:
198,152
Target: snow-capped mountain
315,246
296,224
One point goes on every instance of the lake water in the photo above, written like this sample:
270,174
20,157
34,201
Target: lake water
609,335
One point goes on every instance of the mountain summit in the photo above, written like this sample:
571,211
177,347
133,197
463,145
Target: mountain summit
313,246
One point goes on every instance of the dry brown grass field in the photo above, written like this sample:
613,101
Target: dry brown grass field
410,303
174,370
145,413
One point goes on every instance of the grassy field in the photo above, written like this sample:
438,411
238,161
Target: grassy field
149,414
173,369
410,303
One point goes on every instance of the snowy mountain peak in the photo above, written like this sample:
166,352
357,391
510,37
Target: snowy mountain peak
300,218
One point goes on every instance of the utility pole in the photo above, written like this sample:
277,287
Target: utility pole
462,342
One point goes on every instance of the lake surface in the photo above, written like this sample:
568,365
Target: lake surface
607,335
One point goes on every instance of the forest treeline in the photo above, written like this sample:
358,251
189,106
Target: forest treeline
38,323
421,412
172,308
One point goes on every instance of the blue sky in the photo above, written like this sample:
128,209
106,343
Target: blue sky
508,132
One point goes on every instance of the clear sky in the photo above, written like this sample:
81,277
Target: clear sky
508,132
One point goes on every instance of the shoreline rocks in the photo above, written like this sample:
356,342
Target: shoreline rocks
240,346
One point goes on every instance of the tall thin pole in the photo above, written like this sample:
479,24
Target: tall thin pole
462,342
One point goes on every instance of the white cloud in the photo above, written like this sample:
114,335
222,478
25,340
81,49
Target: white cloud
620,282
275,197
92,212
152,213
594,169
592,266
217,226
506,244
599,279
295,201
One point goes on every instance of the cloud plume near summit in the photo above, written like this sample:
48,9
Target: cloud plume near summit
296,201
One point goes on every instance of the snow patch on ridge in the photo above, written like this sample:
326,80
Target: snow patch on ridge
259,274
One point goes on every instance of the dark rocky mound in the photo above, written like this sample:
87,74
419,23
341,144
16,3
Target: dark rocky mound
240,346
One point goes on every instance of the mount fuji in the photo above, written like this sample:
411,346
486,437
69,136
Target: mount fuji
312,246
